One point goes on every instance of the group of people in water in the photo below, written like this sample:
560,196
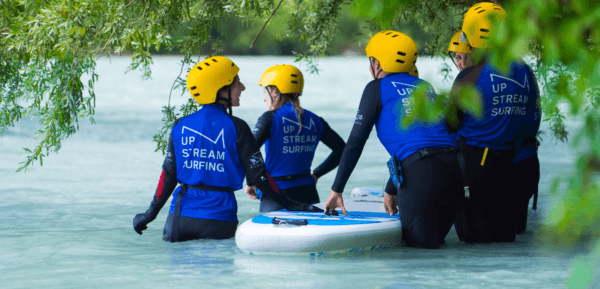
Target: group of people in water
477,172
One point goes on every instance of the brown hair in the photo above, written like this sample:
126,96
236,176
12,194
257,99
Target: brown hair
226,89
294,98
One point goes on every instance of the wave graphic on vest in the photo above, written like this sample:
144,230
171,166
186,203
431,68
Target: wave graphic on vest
525,82
310,126
299,139
203,153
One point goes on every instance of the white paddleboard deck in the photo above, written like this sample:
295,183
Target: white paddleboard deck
317,234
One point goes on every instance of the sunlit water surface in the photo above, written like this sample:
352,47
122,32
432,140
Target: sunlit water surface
68,224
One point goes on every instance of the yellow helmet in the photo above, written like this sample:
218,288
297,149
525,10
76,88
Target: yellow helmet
210,75
478,22
414,72
395,51
459,43
287,78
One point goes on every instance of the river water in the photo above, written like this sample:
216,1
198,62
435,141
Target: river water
68,224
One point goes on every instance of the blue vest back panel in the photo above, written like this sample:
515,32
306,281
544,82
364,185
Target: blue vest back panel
396,103
206,154
289,150
506,100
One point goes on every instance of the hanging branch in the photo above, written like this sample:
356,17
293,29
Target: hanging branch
183,62
261,30
431,11
230,34
129,3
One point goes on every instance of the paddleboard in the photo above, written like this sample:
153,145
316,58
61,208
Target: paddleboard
287,232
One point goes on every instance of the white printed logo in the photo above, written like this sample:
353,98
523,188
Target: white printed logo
525,82
256,160
310,126
221,135
429,88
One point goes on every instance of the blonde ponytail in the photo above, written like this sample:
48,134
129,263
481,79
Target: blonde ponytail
298,110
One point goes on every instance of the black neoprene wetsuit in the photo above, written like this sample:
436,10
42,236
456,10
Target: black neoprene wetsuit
496,195
430,198
307,193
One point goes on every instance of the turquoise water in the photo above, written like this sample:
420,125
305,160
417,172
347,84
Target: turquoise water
68,224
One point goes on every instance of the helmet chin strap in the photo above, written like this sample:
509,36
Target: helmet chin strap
372,71
449,54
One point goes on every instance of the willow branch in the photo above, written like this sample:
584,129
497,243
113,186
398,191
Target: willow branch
230,34
436,16
261,30
183,62
129,3
107,41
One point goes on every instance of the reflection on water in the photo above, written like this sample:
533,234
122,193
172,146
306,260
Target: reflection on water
68,223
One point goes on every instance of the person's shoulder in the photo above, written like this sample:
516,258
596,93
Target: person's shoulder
238,121
267,114
467,71
178,120
308,112
376,83
373,87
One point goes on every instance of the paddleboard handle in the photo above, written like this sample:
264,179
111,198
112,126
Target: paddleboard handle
278,221
331,212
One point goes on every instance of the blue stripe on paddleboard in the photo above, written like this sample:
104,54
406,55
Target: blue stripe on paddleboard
319,219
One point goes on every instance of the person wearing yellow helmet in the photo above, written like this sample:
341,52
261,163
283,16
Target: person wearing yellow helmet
423,167
209,153
460,47
503,135
291,134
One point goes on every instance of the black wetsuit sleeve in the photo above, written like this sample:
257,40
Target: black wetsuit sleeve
390,189
262,129
366,117
167,181
332,140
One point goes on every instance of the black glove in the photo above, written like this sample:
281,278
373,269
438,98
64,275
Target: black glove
139,222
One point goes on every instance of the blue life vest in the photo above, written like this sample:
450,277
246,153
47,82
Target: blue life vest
289,150
206,154
396,103
506,101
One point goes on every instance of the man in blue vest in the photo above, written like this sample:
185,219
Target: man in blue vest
491,142
423,160
209,153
